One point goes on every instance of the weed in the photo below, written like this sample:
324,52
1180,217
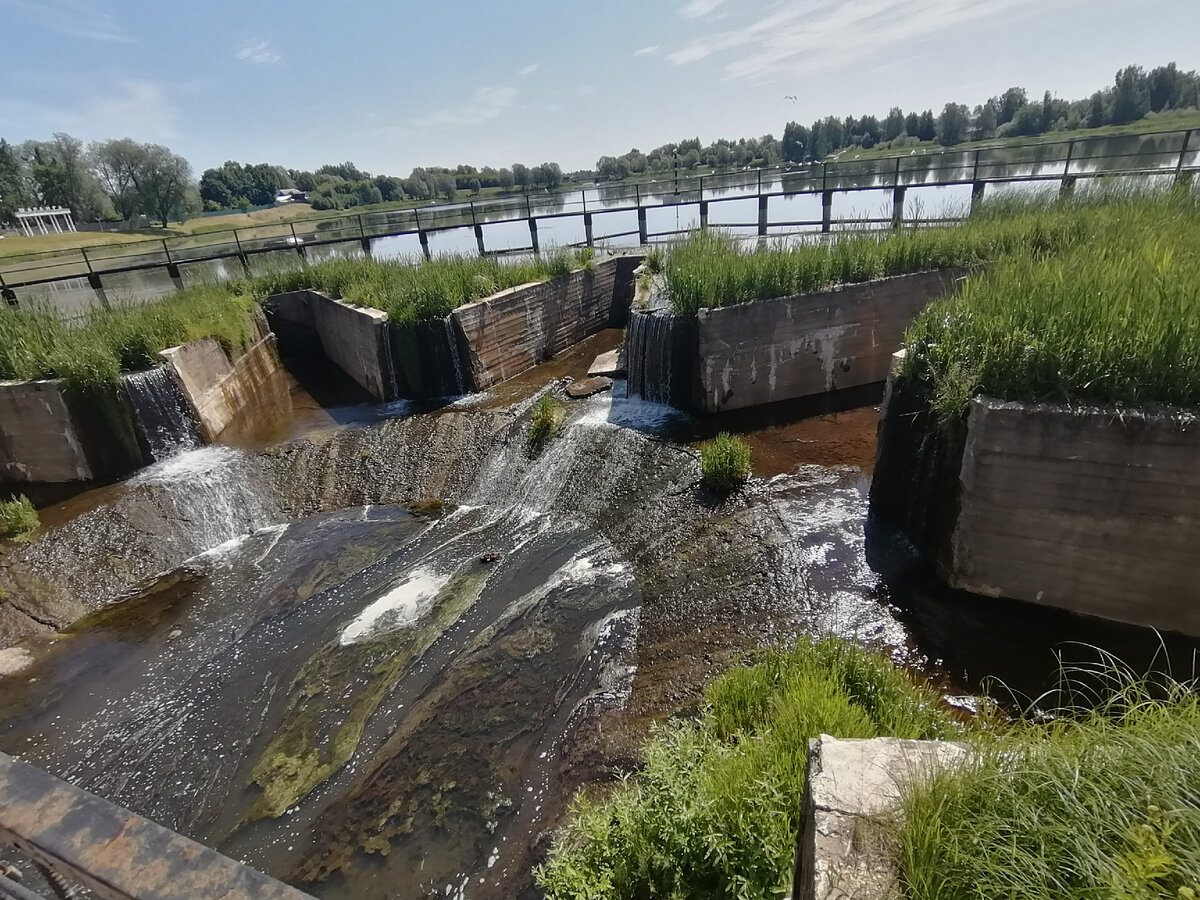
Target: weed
18,517
715,809
724,462
544,422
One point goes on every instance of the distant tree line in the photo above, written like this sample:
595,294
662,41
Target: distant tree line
688,155
116,179
344,185
1134,95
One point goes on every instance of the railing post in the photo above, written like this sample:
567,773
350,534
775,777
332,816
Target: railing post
241,253
422,236
977,186
587,229
363,239
87,262
1183,152
826,211
8,294
172,269
643,230
704,214
296,243
762,213
898,205
533,228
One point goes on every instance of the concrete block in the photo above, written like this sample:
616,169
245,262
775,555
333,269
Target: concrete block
609,364
355,339
220,390
1096,511
844,852
38,440
762,352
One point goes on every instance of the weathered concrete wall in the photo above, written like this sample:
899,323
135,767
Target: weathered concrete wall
842,853
38,440
220,390
353,338
762,352
1090,510
516,329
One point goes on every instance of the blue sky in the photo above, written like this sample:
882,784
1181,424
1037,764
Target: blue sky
395,84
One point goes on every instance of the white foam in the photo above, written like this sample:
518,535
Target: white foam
400,607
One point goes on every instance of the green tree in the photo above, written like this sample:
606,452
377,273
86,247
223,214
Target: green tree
163,180
795,142
926,126
12,183
1009,102
521,175
953,124
893,125
1131,96
506,179
912,124
118,164
552,175
986,120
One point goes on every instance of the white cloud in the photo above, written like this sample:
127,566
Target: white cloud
529,69
809,36
127,107
259,53
75,18
487,103
648,51
695,9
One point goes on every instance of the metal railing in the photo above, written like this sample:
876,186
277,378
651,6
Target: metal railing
1170,153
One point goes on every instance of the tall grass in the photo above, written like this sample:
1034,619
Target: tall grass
1099,804
36,343
724,462
411,291
18,517
715,809
1111,319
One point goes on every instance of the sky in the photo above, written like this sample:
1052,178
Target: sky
394,84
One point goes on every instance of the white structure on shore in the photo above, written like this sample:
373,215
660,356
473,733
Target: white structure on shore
45,220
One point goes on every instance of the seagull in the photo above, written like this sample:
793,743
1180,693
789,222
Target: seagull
791,97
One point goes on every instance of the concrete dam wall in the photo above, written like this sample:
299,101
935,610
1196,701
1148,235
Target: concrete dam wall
752,354
54,442
1091,510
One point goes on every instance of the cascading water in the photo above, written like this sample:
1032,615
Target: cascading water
164,420
660,348
211,495
460,375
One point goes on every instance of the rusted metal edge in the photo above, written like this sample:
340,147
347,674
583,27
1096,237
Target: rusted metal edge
114,852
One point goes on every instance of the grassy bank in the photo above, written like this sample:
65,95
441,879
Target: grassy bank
411,292
715,810
38,344
711,270
1100,804
1111,318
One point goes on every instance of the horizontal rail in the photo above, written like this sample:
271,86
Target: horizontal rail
823,179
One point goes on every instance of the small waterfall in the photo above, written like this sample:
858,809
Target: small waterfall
164,420
452,341
210,495
660,350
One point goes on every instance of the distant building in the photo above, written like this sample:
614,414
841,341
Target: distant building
45,220
290,195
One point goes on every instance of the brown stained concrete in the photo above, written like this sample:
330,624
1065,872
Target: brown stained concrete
839,439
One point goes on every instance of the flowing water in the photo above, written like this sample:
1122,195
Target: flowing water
164,420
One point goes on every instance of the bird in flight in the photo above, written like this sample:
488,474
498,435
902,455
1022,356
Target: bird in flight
791,97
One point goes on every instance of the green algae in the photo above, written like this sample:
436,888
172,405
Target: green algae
336,692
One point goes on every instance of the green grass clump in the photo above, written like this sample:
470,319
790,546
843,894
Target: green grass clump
18,517
36,343
714,811
724,462
545,421
1113,319
1104,804
412,291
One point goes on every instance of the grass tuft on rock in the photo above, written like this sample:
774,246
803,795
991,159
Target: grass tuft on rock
715,809
545,421
1097,804
18,518
724,463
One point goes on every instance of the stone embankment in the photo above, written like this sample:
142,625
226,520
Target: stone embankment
1092,510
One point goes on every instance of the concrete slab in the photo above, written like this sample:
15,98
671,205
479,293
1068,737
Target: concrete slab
844,852
586,387
610,364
